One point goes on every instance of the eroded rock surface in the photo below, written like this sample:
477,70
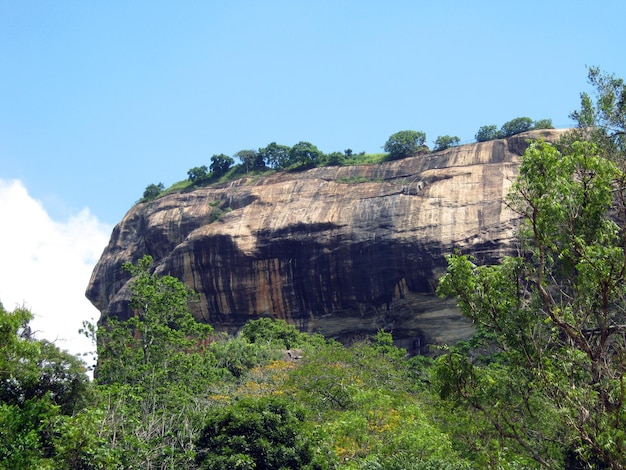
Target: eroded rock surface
343,251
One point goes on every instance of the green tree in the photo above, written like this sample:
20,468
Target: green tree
44,394
334,159
264,434
161,330
152,370
220,164
516,126
152,191
305,154
198,175
543,124
555,314
275,155
603,119
404,144
251,160
487,133
446,141
273,331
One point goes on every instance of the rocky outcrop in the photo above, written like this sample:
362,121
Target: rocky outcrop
343,251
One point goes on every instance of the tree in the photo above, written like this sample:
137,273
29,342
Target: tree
264,433
44,393
251,160
516,126
334,159
161,331
404,144
603,120
543,124
152,191
554,314
275,155
487,133
305,154
198,175
220,164
445,141
151,372
273,331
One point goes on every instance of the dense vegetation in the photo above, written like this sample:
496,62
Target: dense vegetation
542,383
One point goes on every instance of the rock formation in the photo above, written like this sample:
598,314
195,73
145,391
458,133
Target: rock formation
343,251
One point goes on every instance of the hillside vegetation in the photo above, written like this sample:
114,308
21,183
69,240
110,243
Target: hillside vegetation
305,155
542,384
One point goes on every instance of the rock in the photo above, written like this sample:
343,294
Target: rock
343,251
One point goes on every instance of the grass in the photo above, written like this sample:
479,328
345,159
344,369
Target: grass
238,171
358,179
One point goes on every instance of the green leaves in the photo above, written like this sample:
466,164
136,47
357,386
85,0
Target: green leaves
554,315
445,141
405,144
261,433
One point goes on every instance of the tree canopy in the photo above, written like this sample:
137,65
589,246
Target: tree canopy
404,144
220,164
512,127
445,141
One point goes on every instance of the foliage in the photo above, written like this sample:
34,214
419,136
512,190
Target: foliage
152,191
251,160
220,164
555,314
543,124
365,159
237,356
44,393
445,141
263,433
276,332
404,144
603,120
515,126
366,406
512,127
151,367
275,155
486,133
334,159
198,175
305,154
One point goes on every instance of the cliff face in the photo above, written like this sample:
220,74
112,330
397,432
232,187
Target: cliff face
339,250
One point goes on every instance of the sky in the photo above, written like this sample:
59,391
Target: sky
100,99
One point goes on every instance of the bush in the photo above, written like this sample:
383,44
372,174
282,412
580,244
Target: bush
277,332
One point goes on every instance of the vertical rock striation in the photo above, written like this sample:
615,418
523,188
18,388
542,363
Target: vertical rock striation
339,250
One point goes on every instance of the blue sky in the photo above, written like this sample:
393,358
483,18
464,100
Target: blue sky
100,99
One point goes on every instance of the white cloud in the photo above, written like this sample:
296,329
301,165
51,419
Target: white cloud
46,265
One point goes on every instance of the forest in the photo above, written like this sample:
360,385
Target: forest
541,384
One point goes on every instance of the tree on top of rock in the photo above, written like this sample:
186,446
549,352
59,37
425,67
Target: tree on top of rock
405,144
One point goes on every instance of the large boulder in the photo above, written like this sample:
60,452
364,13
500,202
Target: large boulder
343,251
